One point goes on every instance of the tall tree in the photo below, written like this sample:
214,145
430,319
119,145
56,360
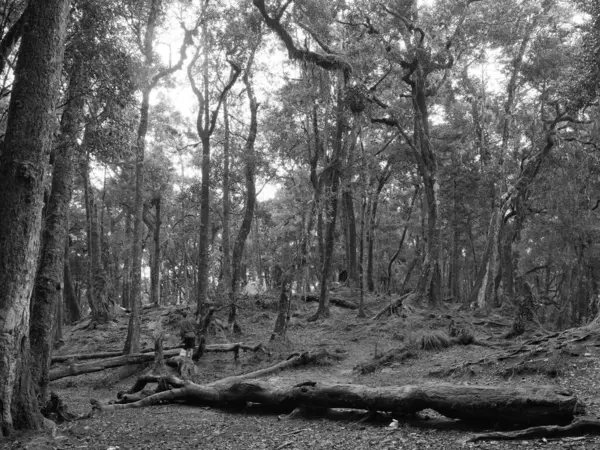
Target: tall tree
23,161
205,127
152,13
49,284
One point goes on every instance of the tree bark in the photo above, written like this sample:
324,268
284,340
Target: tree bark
23,160
70,298
250,201
538,405
156,259
49,282
126,284
226,245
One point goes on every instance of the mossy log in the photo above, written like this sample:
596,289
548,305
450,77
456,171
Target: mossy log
499,405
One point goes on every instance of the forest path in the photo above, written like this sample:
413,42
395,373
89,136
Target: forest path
354,340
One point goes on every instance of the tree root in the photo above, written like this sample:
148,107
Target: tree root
574,341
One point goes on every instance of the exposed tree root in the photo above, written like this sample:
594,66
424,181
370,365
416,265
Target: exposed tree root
579,426
575,341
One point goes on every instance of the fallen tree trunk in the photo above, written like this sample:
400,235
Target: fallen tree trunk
97,366
483,404
233,347
99,355
119,360
171,381
342,303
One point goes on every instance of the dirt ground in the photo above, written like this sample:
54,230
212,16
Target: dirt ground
356,341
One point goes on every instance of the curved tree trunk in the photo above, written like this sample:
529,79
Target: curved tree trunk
23,160
250,203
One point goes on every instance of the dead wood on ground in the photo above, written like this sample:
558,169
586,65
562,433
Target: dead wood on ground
579,426
138,358
395,355
166,382
392,307
504,405
342,303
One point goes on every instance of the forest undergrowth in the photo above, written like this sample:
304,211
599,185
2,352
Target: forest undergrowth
390,351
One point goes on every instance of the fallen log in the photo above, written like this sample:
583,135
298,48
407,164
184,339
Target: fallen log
342,303
171,381
97,366
100,355
233,347
138,358
502,405
391,307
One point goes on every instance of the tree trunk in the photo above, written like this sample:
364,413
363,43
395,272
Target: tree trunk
250,201
49,282
350,226
70,298
429,284
156,260
331,183
538,405
401,244
226,246
283,309
132,342
126,284
23,160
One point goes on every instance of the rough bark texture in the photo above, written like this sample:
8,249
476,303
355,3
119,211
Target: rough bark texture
49,287
537,405
70,298
23,160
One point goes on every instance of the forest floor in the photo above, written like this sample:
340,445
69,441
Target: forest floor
356,341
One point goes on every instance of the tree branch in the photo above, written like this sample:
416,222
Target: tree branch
328,62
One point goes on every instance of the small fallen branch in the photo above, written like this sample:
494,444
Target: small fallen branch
579,426
392,307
